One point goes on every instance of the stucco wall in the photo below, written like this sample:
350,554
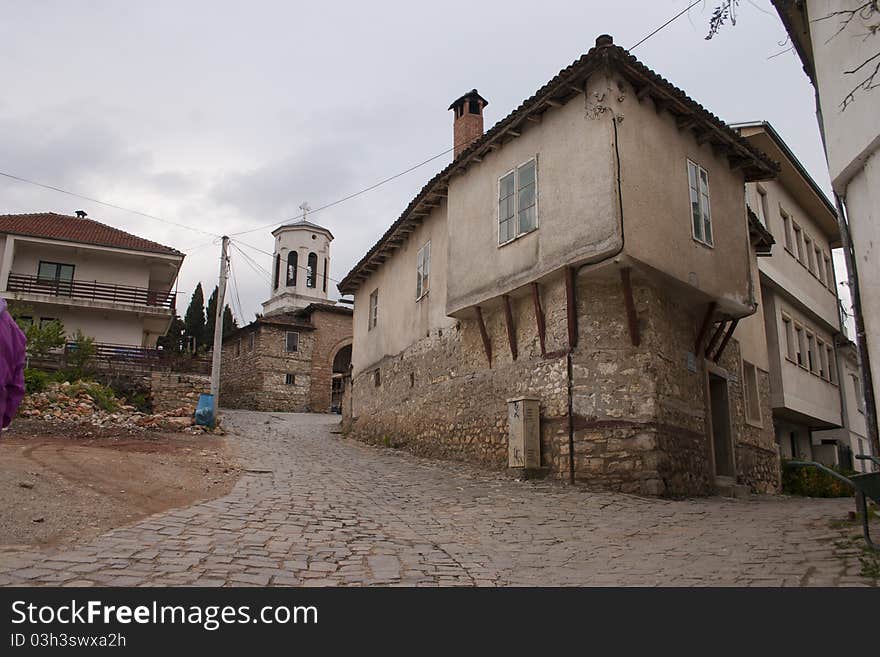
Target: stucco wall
656,204
402,319
576,204
303,241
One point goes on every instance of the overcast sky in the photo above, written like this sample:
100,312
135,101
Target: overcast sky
228,115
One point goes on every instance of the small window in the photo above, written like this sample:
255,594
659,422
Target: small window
857,393
811,258
55,271
292,342
292,266
412,379
811,353
801,353
312,270
820,265
423,270
823,358
326,267
290,379
517,202
250,342
238,348
790,345
45,321
761,209
829,272
786,231
276,271
753,406
373,317
832,365
799,243
377,379
701,215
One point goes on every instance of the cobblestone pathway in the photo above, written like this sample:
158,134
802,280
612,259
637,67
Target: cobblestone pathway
316,509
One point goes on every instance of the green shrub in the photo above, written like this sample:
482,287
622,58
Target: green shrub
35,380
808,481
44,338
80,354
103,396
141,401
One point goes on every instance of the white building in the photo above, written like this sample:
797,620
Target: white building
838,42
301,267
113,286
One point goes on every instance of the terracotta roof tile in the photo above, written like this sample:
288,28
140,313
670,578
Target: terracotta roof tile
50,225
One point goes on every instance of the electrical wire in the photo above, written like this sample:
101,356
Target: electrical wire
671,20
105,203
235,289
272,255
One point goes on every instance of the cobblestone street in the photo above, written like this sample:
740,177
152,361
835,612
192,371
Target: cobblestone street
313,508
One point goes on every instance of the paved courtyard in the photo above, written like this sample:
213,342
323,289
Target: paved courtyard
314,508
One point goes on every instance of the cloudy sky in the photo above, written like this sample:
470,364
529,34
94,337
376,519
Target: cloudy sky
225,116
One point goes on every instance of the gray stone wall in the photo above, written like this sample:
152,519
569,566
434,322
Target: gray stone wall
639,419
170,391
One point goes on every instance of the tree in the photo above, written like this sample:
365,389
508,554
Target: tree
229,323
44,337
173,338
194,319
80,355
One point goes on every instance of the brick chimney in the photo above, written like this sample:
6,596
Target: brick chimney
468,122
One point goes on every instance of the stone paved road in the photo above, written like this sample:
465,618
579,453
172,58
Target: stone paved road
317,509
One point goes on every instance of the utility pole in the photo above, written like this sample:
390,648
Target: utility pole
218,325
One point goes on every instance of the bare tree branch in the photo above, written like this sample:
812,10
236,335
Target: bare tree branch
720,15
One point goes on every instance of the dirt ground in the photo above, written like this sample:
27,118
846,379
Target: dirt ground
62,485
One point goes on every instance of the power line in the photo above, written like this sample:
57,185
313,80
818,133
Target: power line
105,203
235,289
674,18
272,255
347,198
253,264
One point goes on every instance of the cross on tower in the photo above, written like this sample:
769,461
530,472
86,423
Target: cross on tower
305,207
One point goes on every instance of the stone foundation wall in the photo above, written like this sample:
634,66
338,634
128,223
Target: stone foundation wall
170,391
639,419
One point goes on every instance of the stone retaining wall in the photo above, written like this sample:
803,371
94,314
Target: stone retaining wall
170,391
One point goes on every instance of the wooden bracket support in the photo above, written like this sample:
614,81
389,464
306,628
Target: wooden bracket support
487,346
628,300
511,329
707,322
715,336
539,318
727,336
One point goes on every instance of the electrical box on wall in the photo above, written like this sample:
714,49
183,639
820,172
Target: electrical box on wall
524,442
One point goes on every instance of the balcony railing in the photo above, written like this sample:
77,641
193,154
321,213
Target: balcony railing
93,290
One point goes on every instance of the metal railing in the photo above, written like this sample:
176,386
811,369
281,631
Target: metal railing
94,290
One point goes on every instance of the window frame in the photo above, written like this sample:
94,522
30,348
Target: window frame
832,364
750,385
701,239
373,310
312,270
516,209
798,241
801,346
787,236
57,277
290,378
287,348
423,271
790,339
763,205
294,266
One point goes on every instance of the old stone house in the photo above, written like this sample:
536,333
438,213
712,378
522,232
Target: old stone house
591,250
296,355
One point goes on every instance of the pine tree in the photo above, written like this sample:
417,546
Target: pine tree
173,338
229,323
194,319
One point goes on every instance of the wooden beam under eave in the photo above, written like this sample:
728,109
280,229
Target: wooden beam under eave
511,328
553,102
642,92
513,133
487,345
534,118
707,322
714,340
628,300
737,163
539,317
495,146
726,339
571,307
685,122
660,104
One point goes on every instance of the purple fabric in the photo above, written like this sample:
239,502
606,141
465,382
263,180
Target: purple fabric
12,360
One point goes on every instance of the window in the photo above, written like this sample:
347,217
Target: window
292,266
423,270
820,265
798,242
832,365
823,358
289,379
251,341
701,216
801,346
45,321
761,209
326,267
312,270
786,231
373,317
750,379
857,390
292,342
55,271
811,353
829,272
237,348
517,202
790,346
276,271
810,258
377,379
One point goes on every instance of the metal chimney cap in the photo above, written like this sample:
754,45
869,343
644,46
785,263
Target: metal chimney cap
82,214
604,40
